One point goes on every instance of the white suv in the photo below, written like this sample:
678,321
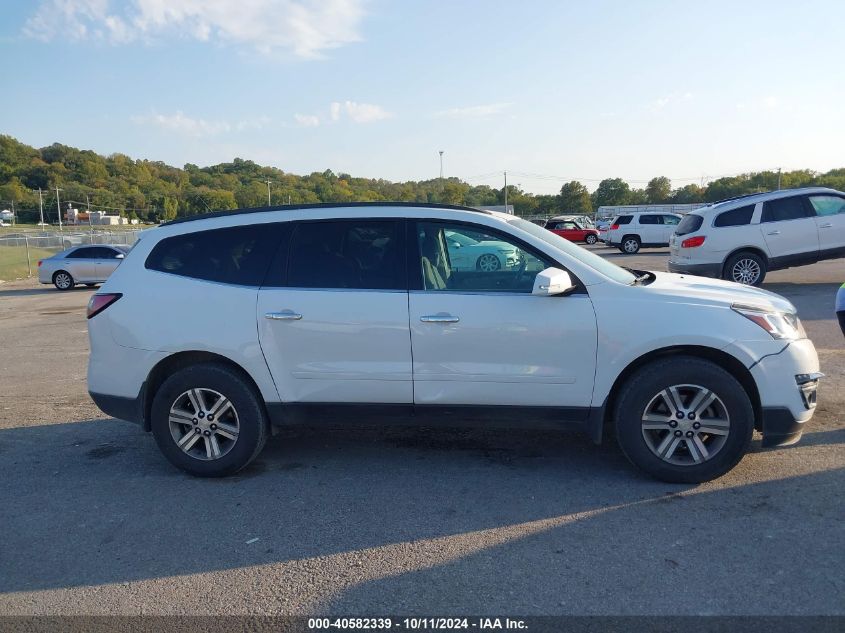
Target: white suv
742,238
216,329
631,231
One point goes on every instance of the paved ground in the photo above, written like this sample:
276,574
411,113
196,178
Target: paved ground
376,522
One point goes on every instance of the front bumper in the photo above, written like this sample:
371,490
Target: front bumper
701,270
787,377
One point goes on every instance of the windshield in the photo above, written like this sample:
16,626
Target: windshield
592,260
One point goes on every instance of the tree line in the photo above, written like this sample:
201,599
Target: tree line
153,191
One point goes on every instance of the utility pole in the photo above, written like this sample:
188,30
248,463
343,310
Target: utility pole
268,192
441,166
13,213
41,206
90,219
506,192
59,207
778,178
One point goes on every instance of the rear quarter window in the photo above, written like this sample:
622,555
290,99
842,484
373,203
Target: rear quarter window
623,219
237,255
735,217
690,223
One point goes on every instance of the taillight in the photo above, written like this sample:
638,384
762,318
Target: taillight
614,227
100,302
693,242
40,261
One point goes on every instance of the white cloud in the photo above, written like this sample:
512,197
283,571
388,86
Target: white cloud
473,112
362,112
352,110
305,28
307,120
673,99
185,125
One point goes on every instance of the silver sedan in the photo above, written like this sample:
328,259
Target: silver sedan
87,265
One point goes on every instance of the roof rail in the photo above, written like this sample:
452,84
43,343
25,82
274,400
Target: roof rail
321,205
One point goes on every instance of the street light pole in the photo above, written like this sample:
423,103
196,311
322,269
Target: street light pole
441,166
506,192
268,193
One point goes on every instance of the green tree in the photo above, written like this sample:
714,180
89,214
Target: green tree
611,192
658,190
575,198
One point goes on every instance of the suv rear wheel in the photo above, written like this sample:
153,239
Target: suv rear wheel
684,420
208,420
630,244
745,268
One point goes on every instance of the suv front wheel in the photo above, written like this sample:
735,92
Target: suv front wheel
208,420
684,420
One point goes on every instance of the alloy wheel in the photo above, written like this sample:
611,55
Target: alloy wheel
63,281
204,423
488,263
746,271
630,246
685,425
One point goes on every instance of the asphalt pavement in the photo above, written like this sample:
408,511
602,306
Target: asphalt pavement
375,521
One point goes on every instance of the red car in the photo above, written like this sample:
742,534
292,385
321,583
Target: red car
572,231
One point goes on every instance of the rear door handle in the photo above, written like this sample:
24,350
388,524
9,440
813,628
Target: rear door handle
284,315
439,318
773,233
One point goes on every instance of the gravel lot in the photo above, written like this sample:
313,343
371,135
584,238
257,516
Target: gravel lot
386,521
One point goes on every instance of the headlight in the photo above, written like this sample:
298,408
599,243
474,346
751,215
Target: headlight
782,325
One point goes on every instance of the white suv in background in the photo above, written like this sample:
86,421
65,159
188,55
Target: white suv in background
631,231
742,238
215,329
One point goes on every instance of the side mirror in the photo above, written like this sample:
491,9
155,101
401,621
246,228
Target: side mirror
120,256
552,281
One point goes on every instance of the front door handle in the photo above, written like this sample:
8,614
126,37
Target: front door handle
773,233
284,315
439,318
826,226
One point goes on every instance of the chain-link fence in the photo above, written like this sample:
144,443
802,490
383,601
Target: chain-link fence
20,251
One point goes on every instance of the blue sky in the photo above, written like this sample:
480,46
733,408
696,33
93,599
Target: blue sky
549,91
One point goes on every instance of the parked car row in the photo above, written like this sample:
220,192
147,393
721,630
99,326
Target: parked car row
739,239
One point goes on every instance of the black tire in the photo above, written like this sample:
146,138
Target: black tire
63,280
645,385
742,266
591,239
253,426
90,285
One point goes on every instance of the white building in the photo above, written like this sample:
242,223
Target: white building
612,210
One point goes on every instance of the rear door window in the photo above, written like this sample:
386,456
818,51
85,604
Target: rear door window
785,209
84,253
827,205
237,255
649,219
735,217
354,254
